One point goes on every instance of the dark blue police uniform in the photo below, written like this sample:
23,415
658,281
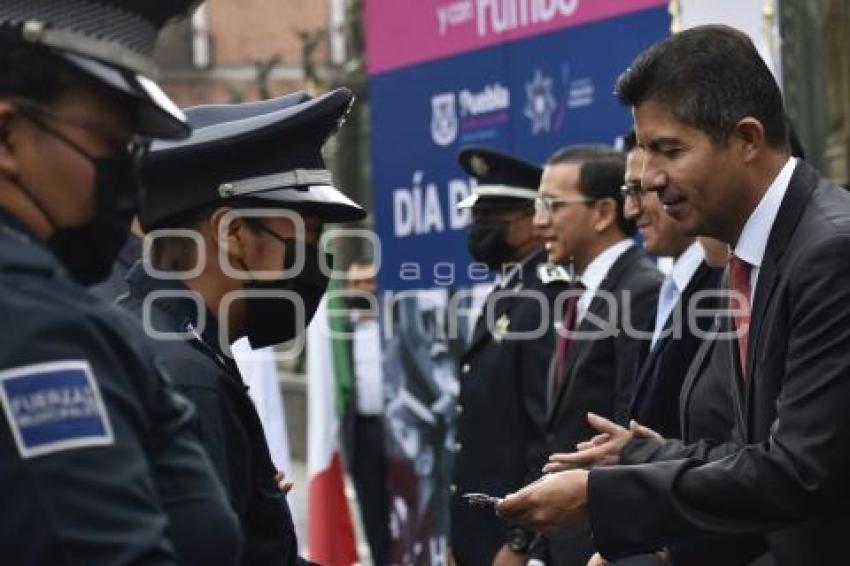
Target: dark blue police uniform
265,154
230,428
99,461
503,373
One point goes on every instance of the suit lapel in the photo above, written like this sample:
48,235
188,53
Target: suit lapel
577,350
800,188
596,310
695,370
645,369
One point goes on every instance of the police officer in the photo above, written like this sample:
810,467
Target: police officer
503,375
99,463
251,189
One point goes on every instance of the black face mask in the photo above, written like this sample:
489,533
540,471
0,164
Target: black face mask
272,321
358,303
488,243
88,250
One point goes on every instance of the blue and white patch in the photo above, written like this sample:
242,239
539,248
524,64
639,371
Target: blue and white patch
54,406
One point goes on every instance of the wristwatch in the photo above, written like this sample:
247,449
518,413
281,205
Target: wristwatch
519,540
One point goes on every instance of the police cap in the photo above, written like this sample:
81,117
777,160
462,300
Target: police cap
112,41
265,154
503,180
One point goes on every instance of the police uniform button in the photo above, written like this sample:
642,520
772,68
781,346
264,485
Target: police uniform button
459,410
458,447
453,488
466,368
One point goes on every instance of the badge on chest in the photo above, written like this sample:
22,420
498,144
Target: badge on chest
500,328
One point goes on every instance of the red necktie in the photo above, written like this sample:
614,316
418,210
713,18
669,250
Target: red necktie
563,343
739,281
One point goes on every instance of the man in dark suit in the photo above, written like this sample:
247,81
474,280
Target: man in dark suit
710,116
609,311
679,403
502,403
663,364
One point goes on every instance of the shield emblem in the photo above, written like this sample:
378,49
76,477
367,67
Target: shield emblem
443,119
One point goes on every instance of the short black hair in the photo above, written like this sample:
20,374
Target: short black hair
35,73
710,77
794,141
601,172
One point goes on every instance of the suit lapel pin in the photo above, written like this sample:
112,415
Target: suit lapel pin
501,328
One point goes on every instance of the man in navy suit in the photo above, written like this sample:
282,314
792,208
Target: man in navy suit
710,116
663,364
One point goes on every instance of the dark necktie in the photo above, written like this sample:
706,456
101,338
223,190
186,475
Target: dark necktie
739,282
562,346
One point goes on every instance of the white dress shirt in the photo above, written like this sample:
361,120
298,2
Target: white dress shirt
684,268
368,377
753,239
595,273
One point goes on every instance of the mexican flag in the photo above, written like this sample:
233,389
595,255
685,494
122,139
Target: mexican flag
330,529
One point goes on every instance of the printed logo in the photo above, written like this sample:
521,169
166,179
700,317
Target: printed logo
54,406
444,123
540,103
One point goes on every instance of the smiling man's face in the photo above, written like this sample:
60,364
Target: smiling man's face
698,182
662,235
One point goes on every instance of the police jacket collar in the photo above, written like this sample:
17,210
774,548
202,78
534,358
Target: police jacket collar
184,311
22,250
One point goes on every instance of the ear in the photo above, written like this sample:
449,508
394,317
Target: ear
230,233
8,159
605,215
749,135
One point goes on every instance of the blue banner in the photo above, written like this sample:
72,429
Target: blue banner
529,97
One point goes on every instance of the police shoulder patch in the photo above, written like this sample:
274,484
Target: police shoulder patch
54,406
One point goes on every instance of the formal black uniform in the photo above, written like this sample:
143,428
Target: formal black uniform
99,463
260,155
503,376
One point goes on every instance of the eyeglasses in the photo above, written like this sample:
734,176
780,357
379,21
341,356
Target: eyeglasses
119,145
312,230
632,190
551,204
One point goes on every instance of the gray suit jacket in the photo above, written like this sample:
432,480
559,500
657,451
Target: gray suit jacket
790,478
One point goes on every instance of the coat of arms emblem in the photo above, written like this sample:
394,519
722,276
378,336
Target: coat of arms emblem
444,124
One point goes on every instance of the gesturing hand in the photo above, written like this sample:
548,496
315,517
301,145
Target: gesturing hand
283,484
604,449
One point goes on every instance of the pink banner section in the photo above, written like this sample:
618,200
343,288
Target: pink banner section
404,32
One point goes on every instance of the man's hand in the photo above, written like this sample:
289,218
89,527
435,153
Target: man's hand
662,557
604,449
283,484
554,501
507,557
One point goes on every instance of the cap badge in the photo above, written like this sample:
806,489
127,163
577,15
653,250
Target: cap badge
479,165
